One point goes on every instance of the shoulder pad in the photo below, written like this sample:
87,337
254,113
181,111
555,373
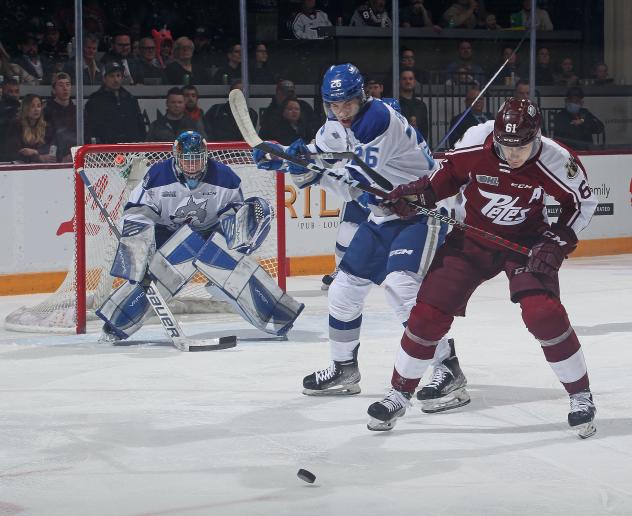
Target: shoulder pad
372,121
331,137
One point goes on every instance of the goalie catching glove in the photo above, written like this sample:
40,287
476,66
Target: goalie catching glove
419,192
248,227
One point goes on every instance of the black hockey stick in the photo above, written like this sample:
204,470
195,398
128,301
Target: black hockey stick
239,109
373,174
155,298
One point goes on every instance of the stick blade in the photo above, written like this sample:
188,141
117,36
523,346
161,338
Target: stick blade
191,345
240,112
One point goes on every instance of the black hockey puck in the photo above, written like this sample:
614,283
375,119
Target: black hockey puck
306,476
224,343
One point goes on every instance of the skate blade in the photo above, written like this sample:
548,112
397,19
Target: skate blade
342,390
586,430
454,400
375,425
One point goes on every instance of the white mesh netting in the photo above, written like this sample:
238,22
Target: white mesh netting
114,175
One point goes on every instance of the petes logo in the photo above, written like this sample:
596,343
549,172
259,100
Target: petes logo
488,180
502,209
336,83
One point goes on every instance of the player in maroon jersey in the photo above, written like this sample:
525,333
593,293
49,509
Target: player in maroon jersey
505,168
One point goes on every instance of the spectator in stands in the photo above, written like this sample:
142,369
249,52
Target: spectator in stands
204,51
52,47
522,18
465,61
112,113
273,113
511,73
371,14
413,108
566,75
374,88
60,114
461,77
304,23
31,61
491,23
407,62
220,124
10,70
9,107
181,70
600,75
91,73
164,45
463,14
575,125
260,72
148,63
121,52
522,90
168,126
474,117
290,127
29,139
415,14
191,108
230,71
543,69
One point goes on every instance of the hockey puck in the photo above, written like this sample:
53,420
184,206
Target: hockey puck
306,476
224,343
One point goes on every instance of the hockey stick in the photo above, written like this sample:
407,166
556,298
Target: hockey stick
482,92
155,298
240,113
374,175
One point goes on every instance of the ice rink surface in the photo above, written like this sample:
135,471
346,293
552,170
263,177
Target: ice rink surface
143,429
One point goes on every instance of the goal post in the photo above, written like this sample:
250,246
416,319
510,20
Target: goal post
114,170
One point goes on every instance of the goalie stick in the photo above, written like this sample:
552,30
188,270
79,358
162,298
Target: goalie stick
239,109
155,298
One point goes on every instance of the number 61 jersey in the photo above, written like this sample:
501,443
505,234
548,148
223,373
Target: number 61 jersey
511,202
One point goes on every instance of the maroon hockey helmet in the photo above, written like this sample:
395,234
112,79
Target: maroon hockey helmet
517,123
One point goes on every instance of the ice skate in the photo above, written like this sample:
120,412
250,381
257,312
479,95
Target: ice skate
384,414
328,279
446,389
340,378
582,414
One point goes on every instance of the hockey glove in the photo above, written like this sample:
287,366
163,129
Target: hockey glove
302,177
266,161
548,253
419,192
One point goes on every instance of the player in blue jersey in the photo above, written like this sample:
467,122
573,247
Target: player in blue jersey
385,250
189,215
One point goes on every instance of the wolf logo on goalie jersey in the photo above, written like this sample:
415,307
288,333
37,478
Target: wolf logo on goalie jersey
169,238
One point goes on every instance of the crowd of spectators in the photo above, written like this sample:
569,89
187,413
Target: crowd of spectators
157,46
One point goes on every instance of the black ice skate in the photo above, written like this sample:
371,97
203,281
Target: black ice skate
446,388
340,378
582,414
384,414
328,279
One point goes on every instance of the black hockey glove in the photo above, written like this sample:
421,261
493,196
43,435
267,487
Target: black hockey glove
548,253
420,192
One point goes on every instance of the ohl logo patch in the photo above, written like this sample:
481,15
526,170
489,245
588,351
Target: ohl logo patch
502,209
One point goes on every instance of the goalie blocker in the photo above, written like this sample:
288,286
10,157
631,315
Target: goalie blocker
233,276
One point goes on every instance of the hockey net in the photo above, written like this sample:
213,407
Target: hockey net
114,170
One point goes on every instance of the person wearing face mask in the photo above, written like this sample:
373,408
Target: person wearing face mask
575,125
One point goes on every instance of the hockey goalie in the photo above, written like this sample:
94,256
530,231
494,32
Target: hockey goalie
189,216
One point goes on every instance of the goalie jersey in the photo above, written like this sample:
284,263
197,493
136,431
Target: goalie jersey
165,201
385,141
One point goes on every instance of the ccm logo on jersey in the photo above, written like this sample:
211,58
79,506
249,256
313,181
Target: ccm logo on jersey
502,209
398,252
520,185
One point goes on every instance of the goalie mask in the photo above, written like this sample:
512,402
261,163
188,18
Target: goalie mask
517,131
190,156
343,93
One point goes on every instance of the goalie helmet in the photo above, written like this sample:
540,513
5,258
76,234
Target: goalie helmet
517,123
190,157
342,83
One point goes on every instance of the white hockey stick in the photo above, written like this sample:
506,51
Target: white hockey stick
157,301
240,112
